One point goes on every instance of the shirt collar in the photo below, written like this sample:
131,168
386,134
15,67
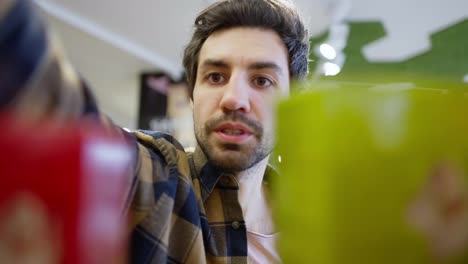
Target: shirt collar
209,176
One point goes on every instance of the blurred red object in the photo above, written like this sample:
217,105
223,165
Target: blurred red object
61,193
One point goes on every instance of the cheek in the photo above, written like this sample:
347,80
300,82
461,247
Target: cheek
204,105
263,105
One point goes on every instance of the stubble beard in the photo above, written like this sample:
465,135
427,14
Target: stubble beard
229,157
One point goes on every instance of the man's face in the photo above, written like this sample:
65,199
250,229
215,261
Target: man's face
240,72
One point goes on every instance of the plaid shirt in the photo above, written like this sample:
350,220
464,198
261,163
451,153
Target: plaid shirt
181,209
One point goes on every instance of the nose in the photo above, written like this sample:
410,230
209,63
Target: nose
236,95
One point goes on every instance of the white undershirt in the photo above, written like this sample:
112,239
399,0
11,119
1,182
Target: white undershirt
262,248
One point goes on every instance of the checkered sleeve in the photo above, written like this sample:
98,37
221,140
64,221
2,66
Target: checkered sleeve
37,83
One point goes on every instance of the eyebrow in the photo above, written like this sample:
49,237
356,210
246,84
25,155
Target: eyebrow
266,65
215,63
253,66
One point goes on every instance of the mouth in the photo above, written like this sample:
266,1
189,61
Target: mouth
233,132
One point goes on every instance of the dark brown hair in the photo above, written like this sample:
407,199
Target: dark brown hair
277,15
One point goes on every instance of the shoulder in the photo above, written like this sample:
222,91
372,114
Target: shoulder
157,139
164,149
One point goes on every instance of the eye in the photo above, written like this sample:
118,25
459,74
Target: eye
262,82
215,78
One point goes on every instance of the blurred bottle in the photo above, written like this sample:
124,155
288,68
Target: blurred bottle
373,174
62,194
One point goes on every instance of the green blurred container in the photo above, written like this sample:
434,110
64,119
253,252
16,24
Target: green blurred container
363,170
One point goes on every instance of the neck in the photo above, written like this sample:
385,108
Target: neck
253,198
250,180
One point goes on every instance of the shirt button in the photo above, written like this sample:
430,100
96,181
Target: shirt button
235,224
225,181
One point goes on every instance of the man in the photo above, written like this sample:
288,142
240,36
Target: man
210,206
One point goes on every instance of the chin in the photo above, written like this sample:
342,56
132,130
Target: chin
231,159
234,159
230,167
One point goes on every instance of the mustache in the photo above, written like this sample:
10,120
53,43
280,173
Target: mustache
253,125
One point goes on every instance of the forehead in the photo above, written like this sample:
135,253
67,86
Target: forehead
242,46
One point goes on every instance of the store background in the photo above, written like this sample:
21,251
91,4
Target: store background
112,43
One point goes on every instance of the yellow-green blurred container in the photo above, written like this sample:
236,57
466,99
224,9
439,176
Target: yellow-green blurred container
373,175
